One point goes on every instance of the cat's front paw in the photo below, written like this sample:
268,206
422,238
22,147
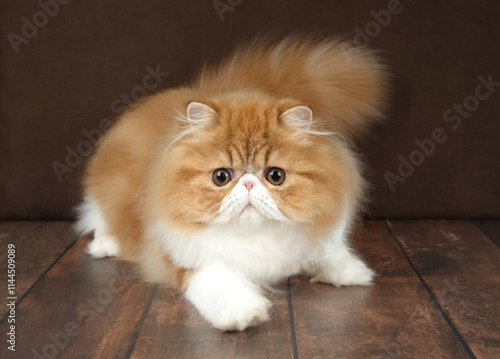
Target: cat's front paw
349,271
226,299
104,246
239,313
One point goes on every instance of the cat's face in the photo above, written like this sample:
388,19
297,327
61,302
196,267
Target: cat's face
251,162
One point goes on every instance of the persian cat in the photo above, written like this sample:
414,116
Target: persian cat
243,178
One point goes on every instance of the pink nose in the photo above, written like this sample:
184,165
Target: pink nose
248,185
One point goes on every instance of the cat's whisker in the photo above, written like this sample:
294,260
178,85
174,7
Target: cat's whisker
181,118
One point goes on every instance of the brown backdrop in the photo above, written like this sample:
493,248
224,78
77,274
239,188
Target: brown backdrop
65,66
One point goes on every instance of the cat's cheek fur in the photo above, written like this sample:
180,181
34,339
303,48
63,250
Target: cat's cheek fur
226,299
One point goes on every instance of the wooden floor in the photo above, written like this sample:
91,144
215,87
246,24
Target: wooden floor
437,295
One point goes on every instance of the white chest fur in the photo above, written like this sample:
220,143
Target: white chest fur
265,251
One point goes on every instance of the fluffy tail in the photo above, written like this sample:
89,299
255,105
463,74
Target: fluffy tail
346,87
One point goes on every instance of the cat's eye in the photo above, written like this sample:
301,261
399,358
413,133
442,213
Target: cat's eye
275,176
221,176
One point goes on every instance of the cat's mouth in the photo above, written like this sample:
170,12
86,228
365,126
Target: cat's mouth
250,212
248,207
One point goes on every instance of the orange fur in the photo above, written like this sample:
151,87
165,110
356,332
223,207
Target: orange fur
134,178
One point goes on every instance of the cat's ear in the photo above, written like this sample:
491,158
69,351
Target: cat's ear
200,114
300,117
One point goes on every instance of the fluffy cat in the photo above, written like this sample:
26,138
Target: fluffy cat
241,179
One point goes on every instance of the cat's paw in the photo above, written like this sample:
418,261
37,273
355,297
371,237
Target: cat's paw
240,312
226,299
349,271
104,246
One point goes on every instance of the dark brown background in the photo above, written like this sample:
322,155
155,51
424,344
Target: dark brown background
65,78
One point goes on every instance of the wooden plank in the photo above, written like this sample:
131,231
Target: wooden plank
38,245
174,329
461,267
490,227
82,308
395,318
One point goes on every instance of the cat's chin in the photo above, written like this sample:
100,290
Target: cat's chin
250,216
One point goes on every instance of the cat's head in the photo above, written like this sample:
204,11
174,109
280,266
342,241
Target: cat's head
250,160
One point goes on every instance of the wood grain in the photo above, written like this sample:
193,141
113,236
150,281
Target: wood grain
82,308
174,329
105,311
38,246
395,318
461,267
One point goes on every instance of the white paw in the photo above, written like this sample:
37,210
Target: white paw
349,271
226,299
104,246
240,312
